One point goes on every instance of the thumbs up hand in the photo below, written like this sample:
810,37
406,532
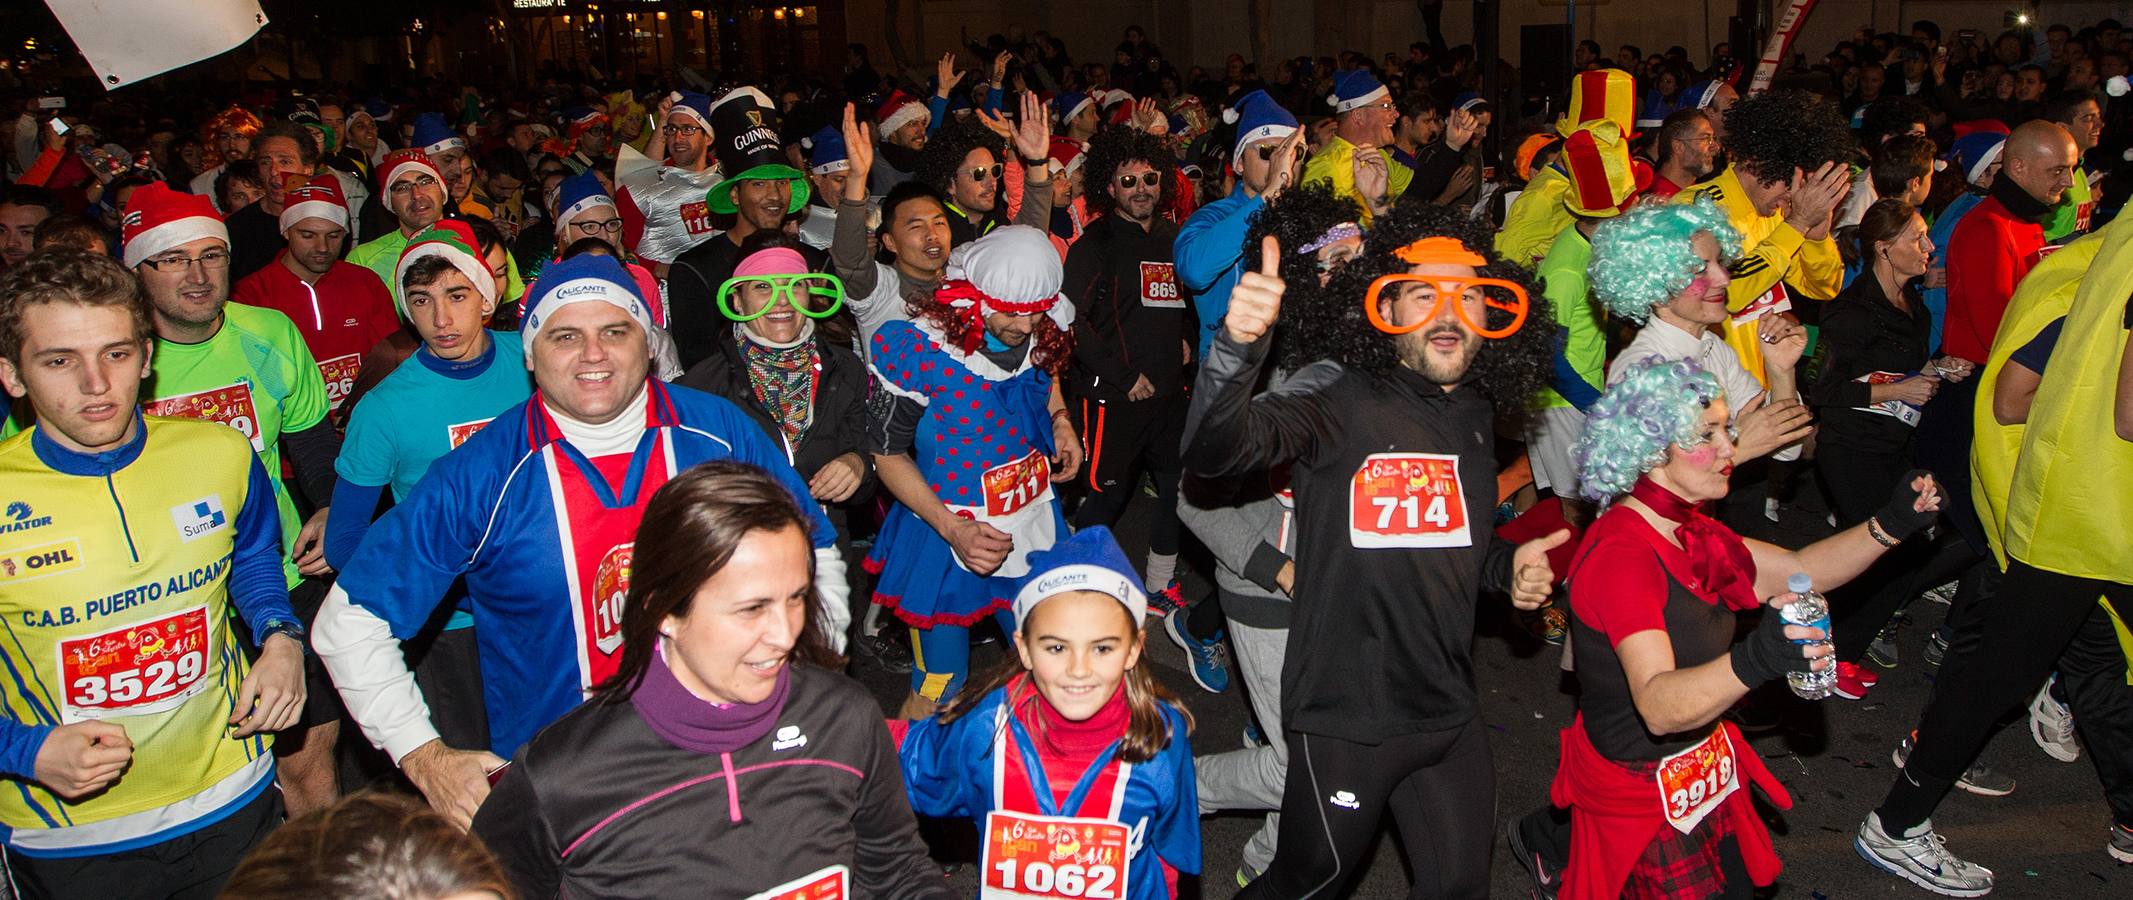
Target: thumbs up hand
1532,578
1255,302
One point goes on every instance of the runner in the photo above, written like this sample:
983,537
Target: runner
965,163
147,774
1378,697
664,212
284,156
537,512
1098,745
1538,214
340,308
1365,114
969,436
414,192
914,233
723,667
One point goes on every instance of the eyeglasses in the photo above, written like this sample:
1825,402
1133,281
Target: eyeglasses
687,131
1385,105
1494,293
420,181
589,229
1131,181
982,173
789,288
1335,256
212,259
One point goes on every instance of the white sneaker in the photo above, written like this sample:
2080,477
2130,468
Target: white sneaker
2051,725
1922,859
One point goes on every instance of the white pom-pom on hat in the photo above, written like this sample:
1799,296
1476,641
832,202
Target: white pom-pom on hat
1334,99
2117,86
1229,115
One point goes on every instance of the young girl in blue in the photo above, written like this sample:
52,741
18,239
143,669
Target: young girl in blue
1072,760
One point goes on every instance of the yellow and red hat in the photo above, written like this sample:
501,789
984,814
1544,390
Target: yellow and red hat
1604,180
1600,95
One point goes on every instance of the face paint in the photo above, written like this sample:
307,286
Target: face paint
1702,455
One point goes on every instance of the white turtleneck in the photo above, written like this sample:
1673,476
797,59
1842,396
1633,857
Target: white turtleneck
617,435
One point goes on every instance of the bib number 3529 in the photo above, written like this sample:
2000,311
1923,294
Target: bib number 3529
137,669
1030,857
1408,500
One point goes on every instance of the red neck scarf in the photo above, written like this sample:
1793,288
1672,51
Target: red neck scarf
1718,557
1058,734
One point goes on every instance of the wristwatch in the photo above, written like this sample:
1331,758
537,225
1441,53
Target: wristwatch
290,628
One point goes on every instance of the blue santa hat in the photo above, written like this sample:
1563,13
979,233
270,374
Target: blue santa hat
1354,89
433,136
1088,561
579,279
1070,104
825,151
577,194
1975,152
1257,118
691,105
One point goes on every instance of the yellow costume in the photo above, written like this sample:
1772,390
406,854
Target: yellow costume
1776,262
1335,162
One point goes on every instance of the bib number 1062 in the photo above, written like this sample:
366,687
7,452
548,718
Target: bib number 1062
1063,880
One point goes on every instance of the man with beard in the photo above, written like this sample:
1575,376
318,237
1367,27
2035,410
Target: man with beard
286,157
905,124
1688,150
963,162
1386,432
664,213
590,134
1131,342
414,191
230,134
339,308
22,209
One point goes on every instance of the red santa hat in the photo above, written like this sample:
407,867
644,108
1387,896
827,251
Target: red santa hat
319,198
158,219
401,162
899,110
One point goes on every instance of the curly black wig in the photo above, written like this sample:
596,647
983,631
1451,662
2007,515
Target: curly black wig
1771,134
1295,219
1330,323
946,148
1115,147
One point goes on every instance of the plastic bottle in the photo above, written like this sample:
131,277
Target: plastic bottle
1811,610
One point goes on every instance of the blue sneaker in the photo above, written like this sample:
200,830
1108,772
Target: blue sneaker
1210,660
1170,599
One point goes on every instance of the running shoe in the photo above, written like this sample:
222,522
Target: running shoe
1937,648
1943,595
1883,650
1210,659
1545,882
1854,680
2121,844
2051,725
886,650
1922,859
1979,779
1168,600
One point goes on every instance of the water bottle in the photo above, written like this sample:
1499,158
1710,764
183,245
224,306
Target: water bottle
1811,610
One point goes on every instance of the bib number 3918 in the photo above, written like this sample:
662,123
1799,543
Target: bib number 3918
1695,781
1030,857
1408,500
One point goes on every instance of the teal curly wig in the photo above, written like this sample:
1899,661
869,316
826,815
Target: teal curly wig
1643,257
1658,403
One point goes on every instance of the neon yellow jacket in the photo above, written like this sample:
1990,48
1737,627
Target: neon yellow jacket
1335,162
1771,252
1535,218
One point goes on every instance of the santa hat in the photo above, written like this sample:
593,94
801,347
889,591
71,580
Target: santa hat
1257,118
1070,104
825,151
454,241
1012,269
899,110
433,136
405,162
579,119
1090,560
1355,89
1976,151
319,198
584,278
1065,155
158,218
1600,95
577,194
693,106
1115,96
1604,181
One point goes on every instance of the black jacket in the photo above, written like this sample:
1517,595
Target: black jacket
599,805
1130,314
1863,332
695,321
840,403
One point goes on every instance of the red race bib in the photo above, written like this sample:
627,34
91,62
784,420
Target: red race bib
1695,781
231,405
137,669
340,373
1033,857
1408,500
1159,286
1010,486
833,883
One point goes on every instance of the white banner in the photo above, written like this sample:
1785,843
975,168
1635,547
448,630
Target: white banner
1788,27
128,40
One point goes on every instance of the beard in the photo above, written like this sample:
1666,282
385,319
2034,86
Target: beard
1415,355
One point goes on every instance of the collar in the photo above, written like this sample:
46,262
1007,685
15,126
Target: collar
2019,203
1672,337
74,462
545,426
463,370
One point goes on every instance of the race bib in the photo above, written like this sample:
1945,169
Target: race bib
1159,286
137,669
1030,856
458,434
1408,500
1774,300
833,883
1013,485
340,373
231,405
1895,409
1693,782
611,586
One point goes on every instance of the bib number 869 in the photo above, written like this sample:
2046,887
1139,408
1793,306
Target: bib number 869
1065,880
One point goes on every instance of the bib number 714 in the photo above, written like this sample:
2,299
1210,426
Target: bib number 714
1408,500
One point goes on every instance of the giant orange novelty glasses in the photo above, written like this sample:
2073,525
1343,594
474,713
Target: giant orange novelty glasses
1495,293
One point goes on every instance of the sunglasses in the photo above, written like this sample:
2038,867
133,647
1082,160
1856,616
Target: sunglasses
797,291
1129,182
1495,294
983,173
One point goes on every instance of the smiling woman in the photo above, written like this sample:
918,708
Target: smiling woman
723,670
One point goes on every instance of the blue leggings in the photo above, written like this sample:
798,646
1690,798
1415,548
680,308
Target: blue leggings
941,657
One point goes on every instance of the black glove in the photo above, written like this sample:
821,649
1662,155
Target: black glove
1767,653
1899,518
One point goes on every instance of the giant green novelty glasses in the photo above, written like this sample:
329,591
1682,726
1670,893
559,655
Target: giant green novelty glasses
797,291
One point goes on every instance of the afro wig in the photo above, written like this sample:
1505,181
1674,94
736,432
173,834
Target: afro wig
1656,404
1771,134
948,146
1300,216
1113,148
1642,258
1330,324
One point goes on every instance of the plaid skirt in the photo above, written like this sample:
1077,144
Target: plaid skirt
1677,865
